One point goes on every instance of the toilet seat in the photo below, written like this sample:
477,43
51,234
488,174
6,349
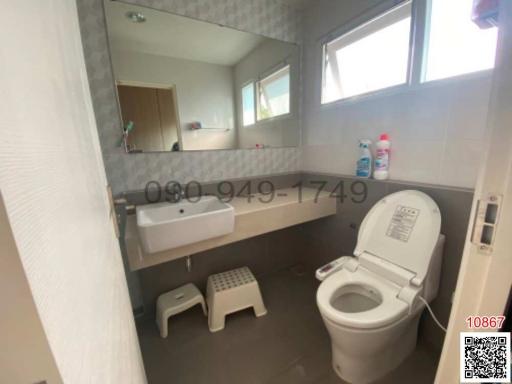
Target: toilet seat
387,312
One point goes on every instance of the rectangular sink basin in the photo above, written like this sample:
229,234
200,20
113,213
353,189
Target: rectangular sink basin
165,226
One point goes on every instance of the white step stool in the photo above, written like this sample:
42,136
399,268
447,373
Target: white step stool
229,292
176,301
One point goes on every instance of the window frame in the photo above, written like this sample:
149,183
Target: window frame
267,75
254,94
418,51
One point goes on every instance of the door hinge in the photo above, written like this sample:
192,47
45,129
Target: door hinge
486,221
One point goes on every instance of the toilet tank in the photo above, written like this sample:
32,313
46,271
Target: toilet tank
434,271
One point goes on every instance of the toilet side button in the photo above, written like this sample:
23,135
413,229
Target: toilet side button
327,268
325,271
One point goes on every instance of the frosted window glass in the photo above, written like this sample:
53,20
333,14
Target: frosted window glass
274,94
248,104
372,57
456,45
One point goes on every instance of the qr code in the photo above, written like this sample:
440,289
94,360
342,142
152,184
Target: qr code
485,357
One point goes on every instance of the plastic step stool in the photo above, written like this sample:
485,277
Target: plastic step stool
176,301
229,292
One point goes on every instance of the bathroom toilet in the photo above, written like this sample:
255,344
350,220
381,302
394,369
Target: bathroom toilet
371,303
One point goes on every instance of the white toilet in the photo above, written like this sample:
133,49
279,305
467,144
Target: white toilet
371,303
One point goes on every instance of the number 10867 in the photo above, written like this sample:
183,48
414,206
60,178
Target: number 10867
479,322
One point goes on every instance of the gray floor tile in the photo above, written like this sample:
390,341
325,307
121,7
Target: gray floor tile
288,345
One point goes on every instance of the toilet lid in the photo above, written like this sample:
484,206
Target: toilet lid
403,229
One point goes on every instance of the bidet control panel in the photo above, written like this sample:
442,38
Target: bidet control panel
328,269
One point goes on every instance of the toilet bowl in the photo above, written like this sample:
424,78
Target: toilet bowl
370,303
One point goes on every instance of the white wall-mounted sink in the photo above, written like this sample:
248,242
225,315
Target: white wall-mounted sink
165,226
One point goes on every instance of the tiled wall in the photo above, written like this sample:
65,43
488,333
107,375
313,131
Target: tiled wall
53,184
127,172
272,18
132,172
437,129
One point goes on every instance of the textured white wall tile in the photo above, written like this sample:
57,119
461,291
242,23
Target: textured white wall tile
53,182
272,18
328,158
461,162
417,160
132,171
428,126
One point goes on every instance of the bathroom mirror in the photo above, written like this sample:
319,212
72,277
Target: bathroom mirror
184,84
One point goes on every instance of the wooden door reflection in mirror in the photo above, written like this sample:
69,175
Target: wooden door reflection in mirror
154,116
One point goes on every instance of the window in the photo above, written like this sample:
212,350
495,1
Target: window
378,54
456,45
371,57
271,99
248,112
274,94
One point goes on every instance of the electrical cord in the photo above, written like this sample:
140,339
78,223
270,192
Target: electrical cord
432,313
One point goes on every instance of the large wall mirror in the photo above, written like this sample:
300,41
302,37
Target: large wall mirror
185,84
